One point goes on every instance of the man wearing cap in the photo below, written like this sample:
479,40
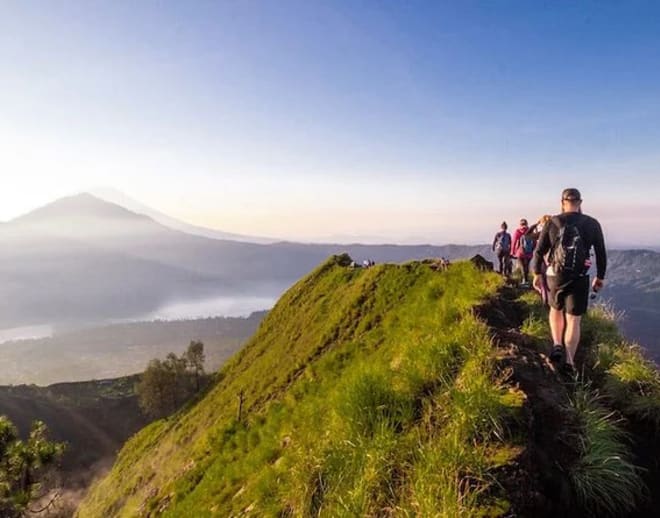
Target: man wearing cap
567,240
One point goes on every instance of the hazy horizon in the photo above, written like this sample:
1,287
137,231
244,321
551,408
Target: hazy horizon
119,198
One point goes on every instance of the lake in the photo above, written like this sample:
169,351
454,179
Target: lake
213,307
177,310
25,333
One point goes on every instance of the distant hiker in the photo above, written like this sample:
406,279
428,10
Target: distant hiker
440,265
502,248
567,240
523,249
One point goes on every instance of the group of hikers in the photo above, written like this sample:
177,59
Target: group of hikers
558,250
367,263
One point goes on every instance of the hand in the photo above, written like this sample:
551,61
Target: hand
538,282
597,285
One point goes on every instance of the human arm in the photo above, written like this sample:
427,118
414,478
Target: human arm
601,256
514,242
531,231
542,248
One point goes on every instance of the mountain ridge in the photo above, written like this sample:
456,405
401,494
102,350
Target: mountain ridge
383,391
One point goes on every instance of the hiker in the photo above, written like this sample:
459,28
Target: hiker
568,239
523,249
502,248
535,232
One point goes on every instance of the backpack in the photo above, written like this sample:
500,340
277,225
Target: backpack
526,244
569,254
503,242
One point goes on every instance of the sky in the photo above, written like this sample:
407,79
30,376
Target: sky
375,121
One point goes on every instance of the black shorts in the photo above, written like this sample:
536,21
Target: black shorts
573,297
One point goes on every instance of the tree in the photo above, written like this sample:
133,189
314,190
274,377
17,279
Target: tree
166,384
154,389
195,356
23,465
179,387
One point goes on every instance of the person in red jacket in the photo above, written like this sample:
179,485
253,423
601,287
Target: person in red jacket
523,249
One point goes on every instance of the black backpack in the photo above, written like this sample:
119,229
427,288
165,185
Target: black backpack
569,255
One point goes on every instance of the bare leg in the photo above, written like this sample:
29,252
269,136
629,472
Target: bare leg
557,326
525,267
572,336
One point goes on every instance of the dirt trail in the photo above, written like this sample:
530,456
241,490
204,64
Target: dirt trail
537,484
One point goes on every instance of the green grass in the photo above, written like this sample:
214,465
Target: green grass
604,478
617,380
367,392
623,373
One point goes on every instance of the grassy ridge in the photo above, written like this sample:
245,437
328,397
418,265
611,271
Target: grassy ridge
365,390
378,392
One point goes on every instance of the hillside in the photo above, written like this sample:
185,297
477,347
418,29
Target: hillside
401,391
634,286
93,418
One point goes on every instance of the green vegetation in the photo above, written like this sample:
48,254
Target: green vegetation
616,396
629,379
166,385
363,390
605,480
23,465
366,392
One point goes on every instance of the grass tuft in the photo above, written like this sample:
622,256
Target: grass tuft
605,481
369,403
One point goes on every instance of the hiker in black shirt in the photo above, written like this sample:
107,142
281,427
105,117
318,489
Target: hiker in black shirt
565,244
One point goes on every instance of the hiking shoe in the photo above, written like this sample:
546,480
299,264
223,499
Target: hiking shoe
557,354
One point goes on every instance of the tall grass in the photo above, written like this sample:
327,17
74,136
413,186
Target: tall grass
369,403
630,380
367,392
605,481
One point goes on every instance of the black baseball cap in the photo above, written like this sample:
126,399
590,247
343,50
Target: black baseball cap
571,194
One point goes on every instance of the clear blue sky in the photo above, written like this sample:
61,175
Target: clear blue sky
423,121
